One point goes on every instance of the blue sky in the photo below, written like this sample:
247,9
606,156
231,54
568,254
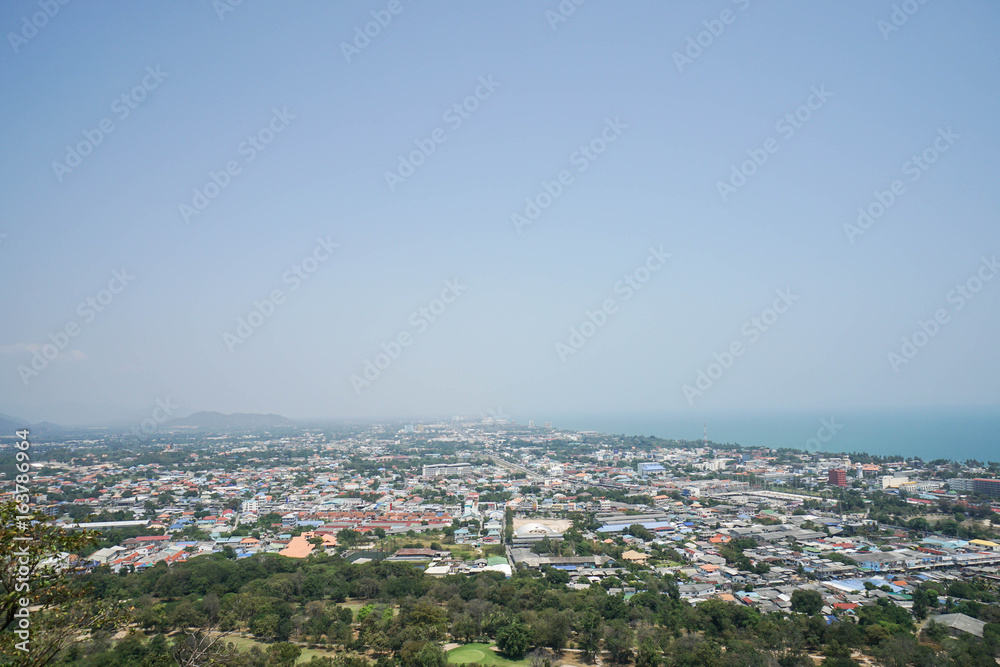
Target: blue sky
885,96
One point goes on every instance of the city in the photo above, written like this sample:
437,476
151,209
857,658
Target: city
778,532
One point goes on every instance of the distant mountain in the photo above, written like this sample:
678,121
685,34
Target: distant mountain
9,425
211,421
82,415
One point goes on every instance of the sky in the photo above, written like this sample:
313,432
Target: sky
395,208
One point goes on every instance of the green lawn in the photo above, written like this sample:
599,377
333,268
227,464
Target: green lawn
245,643
463,551
483,654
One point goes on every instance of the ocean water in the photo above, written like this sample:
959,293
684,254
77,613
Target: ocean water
958,434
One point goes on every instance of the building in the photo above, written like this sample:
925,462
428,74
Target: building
987,487
645,468
960,484
442,469
959,624
837,477
891,482
635,557
530,533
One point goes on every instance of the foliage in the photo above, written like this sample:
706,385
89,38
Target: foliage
513,640
806,602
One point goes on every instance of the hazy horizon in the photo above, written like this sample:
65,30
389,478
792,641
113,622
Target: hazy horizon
649,209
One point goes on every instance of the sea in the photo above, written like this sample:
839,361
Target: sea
957,434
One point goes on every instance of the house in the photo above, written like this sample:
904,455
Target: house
298,547
105,556
959,624
635,557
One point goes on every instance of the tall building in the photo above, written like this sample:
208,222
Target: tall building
961,484
837,477
987,487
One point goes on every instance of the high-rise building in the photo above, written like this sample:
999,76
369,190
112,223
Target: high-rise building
987,487
837,477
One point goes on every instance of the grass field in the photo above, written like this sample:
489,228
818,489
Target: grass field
483,654
463,551
245,643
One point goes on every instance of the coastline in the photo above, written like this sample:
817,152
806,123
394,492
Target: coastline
956,434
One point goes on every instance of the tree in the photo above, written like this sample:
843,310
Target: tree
640,531
63,609
555,576
537,659
807,602
551,628
542,546
422,654
935,632
283,654
348,537
648,654
513,640
618,639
